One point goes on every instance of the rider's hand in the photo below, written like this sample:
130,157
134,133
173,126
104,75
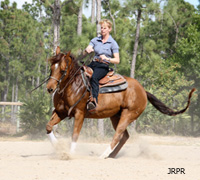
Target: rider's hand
89,49
103,57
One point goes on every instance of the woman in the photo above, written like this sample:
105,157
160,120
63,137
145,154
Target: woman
106,51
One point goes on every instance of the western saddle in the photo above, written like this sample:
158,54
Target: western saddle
111,79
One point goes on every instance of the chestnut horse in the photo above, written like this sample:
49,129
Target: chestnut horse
68,87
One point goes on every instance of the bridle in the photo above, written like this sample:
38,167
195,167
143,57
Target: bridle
61,78
85,80
65,72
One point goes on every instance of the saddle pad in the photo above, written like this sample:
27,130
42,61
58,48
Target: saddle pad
111,89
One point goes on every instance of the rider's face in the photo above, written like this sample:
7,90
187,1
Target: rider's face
105,30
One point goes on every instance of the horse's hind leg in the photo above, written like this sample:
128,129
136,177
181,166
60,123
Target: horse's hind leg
115,120
126,118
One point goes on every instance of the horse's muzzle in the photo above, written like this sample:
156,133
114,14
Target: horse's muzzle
50,90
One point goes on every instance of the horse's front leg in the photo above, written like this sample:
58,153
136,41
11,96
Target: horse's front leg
78,123
55,119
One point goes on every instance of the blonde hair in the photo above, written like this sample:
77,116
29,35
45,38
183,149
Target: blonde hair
106,21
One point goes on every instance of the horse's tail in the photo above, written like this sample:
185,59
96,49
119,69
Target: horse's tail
163,108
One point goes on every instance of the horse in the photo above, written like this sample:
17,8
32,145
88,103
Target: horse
70,96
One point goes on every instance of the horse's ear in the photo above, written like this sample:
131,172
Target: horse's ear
57,50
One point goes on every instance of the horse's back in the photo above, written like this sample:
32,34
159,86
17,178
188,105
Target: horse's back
134,97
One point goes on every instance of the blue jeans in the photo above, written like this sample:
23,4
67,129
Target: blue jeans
99,71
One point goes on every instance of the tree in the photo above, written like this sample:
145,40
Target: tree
55,7
137,8
166,51
34,114
98,17
93,12
21,53
188,54
21,36
80,16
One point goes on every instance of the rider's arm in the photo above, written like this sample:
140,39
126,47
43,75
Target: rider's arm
114,60
89,49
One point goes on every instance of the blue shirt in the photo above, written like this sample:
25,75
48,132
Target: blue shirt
108,48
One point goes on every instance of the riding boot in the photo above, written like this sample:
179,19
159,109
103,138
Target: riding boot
92,104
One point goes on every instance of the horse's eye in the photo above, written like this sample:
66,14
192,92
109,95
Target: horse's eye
62,72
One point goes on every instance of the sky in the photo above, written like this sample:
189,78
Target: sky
88,11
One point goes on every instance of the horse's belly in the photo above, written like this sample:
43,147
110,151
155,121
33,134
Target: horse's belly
106,109
100,114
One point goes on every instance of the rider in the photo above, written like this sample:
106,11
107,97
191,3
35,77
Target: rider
106,51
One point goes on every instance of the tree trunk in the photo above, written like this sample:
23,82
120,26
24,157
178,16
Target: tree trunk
80,17
38,78
114,26
101,127
177,32
12,107
56,24
4,93
15,100
137,35
33,81
98,17
112,17
93,12
46,71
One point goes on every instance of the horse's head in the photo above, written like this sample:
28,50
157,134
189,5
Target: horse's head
60,68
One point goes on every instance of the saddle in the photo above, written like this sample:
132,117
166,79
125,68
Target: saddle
110,80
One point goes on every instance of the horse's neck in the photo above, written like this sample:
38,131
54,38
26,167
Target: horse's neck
76,88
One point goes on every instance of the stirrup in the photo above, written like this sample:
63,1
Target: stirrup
92,104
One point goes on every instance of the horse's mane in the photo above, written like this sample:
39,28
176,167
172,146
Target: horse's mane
57,58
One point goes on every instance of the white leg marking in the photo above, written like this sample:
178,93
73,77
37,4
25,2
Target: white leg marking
73,147
106,153
52,138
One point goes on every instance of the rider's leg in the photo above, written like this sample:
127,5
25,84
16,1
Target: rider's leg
99,73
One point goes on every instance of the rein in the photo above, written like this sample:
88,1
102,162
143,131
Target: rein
86,89
45,80
59,81
85,81
70,80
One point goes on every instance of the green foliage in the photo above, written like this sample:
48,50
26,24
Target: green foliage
35,113
188,52
70,40
21,47
167,63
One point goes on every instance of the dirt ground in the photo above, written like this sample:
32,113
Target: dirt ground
142,158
